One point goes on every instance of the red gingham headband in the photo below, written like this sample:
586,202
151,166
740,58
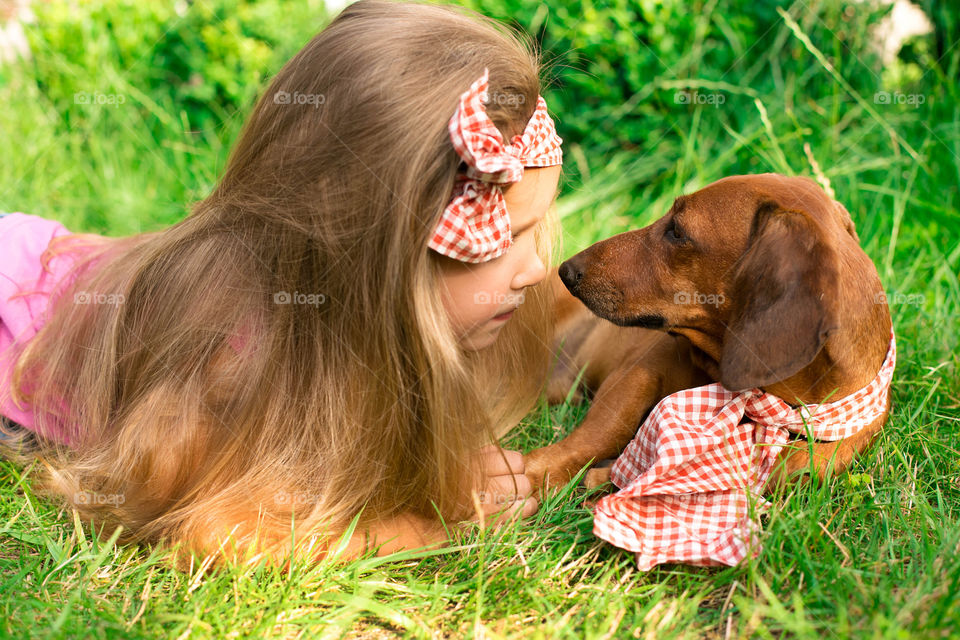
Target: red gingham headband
475,226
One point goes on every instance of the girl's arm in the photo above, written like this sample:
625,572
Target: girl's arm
506,494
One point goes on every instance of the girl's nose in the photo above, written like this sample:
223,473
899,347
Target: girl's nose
533,272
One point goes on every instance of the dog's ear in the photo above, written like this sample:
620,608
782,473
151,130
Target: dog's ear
783,292
846,220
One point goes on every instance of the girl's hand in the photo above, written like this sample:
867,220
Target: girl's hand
506,492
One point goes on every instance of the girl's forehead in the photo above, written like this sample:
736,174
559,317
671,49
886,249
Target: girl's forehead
536,183
528,200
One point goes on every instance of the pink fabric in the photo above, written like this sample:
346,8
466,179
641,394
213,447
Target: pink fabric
23,238
703,456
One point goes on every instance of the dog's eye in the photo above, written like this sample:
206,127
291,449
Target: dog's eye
674,234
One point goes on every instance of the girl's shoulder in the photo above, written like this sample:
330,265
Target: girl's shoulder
24,267
23,239
25,287
29,229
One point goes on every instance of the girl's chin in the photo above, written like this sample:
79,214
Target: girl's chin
482,340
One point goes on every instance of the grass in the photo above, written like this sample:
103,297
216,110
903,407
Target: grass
874,553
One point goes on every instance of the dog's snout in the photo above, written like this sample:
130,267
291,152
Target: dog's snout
570,274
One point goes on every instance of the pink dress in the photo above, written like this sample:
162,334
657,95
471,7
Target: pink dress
23,238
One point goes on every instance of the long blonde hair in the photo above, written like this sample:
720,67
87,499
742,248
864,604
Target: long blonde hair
283,350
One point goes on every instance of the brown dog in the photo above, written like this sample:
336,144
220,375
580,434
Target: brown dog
753,281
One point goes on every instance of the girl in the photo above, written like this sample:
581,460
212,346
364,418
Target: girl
334,336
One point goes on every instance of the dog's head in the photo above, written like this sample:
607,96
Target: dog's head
749,268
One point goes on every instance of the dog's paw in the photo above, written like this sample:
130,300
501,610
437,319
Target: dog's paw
596,477
548,470
536,466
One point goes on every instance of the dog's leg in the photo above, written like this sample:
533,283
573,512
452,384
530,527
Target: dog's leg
618,408
576,329
562,379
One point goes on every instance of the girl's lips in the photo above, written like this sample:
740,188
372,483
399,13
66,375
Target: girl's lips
504,316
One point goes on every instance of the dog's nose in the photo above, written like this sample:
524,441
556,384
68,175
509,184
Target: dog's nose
570,274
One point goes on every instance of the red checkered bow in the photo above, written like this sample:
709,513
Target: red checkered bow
703,456
475,226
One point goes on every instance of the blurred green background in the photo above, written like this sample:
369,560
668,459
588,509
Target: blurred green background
651,97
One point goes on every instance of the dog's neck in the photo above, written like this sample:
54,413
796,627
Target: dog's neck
849,359
854,352
707,347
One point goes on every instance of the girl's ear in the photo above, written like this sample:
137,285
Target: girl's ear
783,293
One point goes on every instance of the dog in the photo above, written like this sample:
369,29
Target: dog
755,281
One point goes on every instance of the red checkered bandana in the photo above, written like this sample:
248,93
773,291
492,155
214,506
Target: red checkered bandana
692,478
475,226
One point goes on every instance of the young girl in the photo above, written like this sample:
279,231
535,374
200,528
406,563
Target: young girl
335,332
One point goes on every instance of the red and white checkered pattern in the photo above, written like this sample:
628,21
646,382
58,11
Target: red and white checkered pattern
475,226
691,479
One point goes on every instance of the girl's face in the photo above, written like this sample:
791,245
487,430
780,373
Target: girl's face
479,298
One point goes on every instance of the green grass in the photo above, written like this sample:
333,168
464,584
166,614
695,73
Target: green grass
874,553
